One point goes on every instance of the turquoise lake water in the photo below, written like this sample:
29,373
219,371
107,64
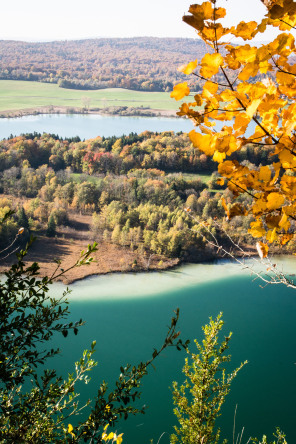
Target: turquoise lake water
127,314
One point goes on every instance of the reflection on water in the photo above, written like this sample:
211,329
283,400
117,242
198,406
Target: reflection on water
151,284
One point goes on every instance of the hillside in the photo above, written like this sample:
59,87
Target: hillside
141,63
144,198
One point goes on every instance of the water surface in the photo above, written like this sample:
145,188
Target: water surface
128,313
88,126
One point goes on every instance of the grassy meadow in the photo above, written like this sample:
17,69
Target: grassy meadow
21,95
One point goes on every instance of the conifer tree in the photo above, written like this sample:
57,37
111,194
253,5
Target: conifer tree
22,218
51,226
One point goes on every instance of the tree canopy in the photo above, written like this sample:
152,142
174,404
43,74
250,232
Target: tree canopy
259,85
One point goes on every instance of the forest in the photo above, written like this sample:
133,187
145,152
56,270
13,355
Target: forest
137,189
145,63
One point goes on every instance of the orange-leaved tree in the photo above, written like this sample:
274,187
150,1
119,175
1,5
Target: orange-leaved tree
244,84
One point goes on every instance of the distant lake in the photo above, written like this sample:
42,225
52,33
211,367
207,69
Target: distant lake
88,126
128,313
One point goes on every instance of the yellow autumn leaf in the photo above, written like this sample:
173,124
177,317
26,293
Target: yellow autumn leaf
236,209
284,223
227,168
210,64
246,53
265,173
203,11
257,229
284,238
227,95
287,159
119,439
205,130
218,156
220,13
262,26
70,430
264,67
188,69
183,110
259,207
271,235
241,123
274,201
181,90
284,78
220,181
225,207
211,87
277,170
262,249
231,61
203,142
195,21
250,70
252,108
290,210
198,99
262,53
210,33
245,30
288,184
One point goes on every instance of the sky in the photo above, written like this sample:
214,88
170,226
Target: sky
37,20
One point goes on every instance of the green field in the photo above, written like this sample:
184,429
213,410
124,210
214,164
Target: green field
21,95
205,178
78,178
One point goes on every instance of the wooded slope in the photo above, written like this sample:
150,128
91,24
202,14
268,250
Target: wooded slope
143,63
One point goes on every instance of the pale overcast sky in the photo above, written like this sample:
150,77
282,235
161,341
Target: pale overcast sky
37,20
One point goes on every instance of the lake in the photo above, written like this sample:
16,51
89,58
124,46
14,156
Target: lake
128,313
88,126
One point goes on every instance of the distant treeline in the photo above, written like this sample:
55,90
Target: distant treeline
143,63
165,151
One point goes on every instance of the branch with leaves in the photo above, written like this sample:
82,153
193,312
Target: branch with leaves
29,317
264,92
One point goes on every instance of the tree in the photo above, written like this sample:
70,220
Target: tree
51,226
37,406
243,84
22,218
199,399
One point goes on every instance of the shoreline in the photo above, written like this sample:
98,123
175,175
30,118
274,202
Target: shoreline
128,112
110,259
